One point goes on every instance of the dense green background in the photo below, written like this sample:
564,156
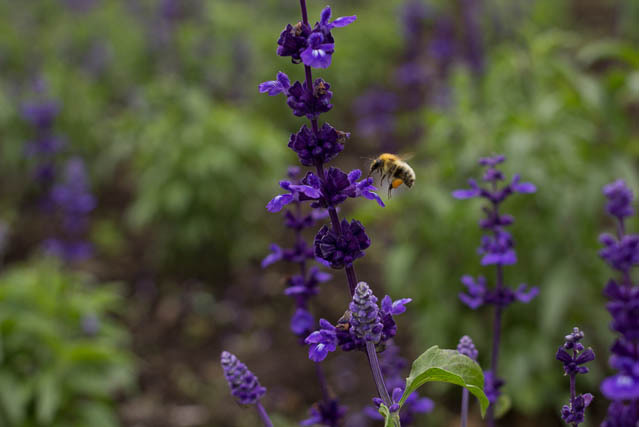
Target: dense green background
183,154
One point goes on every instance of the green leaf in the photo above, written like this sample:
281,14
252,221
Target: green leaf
502,406
390,419
447,366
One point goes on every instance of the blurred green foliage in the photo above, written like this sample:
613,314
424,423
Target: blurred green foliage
62,357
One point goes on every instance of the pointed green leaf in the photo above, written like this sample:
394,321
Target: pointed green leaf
390,419
447,366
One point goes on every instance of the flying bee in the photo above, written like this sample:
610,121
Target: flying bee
395,169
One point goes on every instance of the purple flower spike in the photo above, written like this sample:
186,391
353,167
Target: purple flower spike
317,54
245,386
467,347
322,341
365,323
313,149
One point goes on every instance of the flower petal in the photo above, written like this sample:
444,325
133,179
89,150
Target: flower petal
278,202
343,21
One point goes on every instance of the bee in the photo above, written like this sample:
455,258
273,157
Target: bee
395,169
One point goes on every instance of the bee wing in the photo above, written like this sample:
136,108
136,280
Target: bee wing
407,156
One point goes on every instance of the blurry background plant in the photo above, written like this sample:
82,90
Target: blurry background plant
160,100
62,356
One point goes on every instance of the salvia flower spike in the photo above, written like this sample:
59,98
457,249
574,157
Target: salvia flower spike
574,356
244,385
621,252
497,248
467,348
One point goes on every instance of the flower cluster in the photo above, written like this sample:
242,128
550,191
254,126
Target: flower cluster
467,347
393,366
497,248
364,321
74,202
621,252
573,355
313,47
244,385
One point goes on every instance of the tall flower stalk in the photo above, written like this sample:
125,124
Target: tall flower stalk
621,252
574,355
301,288
497,248
339,245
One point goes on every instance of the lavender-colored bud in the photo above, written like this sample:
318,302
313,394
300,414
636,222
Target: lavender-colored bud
620,254
341,249
365,322
243,383
619,199
574,413
580,356
492,386
623,305
467,347
310,103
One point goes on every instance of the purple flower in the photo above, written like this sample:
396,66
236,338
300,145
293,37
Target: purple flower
365,321
313,48
573,362
326,413
497,248
412,406
623,305
318,53
303,102
314,149
325,25
292,41
619,199
336,188
620,387
244,385
492,386
478,293
302,322
467,347
340,249
574,413
621,414
620,254
321,341
42,114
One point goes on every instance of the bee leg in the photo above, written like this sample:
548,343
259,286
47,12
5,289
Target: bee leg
390,187
382,180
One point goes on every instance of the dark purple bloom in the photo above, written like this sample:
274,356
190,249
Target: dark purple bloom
365,321
619,199
467,347
340,249
303,102
292,41
574,413
325,413
314,149
321,341
245,386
